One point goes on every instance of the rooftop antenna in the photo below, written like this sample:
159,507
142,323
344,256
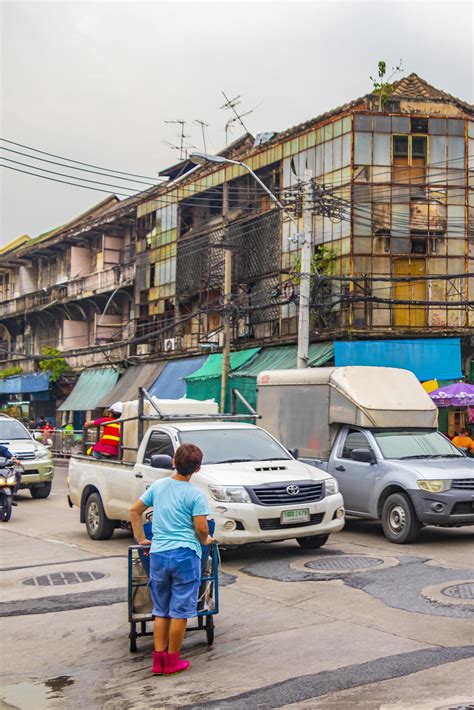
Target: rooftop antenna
183,153
230,104
203,125
183,149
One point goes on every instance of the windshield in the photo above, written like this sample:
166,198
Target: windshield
415,443
229,446
10,429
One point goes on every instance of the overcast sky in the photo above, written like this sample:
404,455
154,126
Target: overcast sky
95,81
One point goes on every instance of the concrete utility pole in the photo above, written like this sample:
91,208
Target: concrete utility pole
227,298
305,283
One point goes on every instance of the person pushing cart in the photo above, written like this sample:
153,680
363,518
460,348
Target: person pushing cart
179,529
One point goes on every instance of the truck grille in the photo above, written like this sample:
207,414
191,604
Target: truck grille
464,484
277,494
26,455
463,508
275,523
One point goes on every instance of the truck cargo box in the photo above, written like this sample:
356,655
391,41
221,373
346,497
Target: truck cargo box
303,408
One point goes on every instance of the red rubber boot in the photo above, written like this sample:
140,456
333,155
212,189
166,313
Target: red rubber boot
158,662
173,664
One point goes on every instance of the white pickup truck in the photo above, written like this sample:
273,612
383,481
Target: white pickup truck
257,491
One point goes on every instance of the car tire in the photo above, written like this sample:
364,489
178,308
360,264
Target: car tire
41,491
399,521
98,525
312,542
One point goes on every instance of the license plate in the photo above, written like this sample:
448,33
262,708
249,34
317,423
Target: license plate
300,515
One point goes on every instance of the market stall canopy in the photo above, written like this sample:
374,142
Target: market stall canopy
25,384
90,389
205,383
460,394
136,376
427,358
171,383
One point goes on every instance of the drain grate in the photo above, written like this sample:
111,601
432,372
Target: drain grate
57,579
465,590
344,562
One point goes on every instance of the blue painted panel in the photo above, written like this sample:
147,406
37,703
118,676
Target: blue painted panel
24,384
171,383
428,359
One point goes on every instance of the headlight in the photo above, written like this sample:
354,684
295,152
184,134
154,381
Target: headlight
438,486
331,486
42,454
11,480
230,494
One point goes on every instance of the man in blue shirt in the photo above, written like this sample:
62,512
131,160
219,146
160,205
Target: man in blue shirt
179,529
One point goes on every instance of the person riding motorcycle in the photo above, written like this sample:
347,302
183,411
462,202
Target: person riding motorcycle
7,454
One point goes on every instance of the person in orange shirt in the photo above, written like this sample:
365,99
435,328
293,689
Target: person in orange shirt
463,440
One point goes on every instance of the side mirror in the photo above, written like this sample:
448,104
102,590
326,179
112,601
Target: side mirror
37,435
161,461
363,456
295,453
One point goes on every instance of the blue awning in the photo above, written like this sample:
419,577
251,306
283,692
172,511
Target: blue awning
171,382
25,384
428,358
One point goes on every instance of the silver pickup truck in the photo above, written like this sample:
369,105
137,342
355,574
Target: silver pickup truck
375,430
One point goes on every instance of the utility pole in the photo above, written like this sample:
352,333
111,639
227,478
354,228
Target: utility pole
305,276
227,298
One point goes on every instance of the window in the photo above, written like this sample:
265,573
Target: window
354,440
419,125
409,158
158,443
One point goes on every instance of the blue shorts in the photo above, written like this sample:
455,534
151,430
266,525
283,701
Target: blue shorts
174,580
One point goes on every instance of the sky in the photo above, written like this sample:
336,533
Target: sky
96,81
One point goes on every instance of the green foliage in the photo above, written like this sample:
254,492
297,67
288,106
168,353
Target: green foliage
54,363
382,86
322,262
10,372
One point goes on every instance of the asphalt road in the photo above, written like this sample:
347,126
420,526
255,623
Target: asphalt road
360,623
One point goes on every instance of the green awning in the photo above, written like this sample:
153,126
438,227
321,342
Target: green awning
91,387
285,358
213,365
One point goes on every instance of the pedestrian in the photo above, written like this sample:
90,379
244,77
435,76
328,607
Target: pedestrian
48,430
108,445
7,454
179,529
463,441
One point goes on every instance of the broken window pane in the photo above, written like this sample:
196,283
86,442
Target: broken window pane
400,124
455,127
363,148
382,124
362,122
437,126
419,125
381,149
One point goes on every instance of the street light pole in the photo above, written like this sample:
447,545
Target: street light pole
305,275
227,299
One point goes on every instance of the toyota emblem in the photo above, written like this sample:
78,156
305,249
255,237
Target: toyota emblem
292,490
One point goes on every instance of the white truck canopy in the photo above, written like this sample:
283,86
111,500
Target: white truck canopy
300,406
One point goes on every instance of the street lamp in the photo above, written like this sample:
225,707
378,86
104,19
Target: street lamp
303,312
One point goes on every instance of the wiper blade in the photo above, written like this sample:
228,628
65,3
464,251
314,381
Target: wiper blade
233,461
417,456
276,458
446,456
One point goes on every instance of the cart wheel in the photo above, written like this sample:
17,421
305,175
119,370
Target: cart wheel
133,642
210,630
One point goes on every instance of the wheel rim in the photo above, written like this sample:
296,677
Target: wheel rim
397,519
93,516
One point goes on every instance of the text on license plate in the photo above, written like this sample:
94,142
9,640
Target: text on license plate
301,515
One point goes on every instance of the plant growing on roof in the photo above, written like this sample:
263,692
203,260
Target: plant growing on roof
10,372
54,363
322,262
383,86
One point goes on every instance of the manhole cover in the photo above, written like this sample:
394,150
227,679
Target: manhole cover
460,591
343,562
57,579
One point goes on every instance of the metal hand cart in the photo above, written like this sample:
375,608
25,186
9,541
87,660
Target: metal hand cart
139,600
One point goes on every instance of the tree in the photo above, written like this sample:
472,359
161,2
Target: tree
382,85
54,363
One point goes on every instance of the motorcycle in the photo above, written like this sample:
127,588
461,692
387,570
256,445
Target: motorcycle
9,475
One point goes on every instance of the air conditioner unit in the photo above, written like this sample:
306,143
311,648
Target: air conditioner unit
143,349
169,345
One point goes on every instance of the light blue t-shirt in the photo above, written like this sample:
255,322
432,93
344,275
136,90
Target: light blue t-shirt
174,504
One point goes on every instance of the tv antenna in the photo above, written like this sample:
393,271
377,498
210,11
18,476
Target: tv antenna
182,147
230,105
203,125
